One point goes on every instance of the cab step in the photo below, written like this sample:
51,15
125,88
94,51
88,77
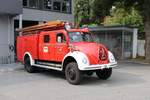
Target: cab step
48,65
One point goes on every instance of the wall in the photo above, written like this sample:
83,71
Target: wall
141,48
12,7
39,15
6,39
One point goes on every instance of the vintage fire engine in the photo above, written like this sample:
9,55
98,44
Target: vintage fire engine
55,45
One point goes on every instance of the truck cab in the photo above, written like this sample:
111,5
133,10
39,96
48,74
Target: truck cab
72,51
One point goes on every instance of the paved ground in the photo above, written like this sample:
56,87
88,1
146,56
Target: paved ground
129,81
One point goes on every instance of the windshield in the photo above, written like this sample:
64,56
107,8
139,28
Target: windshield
80,37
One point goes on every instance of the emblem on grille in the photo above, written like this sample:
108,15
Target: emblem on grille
102,54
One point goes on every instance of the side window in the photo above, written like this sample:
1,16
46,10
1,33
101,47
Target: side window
46,38
60,38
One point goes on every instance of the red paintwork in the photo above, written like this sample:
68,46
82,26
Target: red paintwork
27,44
56,51
91,50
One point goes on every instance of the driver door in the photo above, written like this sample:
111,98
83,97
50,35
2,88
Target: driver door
61,47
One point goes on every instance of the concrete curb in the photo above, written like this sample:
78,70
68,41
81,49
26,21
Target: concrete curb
136,62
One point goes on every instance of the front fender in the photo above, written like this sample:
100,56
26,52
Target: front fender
111,57
80,58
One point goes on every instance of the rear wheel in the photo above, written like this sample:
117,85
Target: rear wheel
27,65
73,74
104,74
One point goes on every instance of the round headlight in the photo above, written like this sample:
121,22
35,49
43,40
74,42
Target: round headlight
84,60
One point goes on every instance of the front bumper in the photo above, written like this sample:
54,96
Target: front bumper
99,66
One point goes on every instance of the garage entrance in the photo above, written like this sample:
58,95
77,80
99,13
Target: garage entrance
25,23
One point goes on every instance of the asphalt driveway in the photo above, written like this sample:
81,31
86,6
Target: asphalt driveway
129,81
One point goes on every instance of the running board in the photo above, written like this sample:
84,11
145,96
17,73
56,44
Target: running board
49,64
48,67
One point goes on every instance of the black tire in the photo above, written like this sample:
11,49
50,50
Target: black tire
73,74
27,65
104,74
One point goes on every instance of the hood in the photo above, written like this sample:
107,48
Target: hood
94,51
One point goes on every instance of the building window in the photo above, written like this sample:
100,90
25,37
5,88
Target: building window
30,3
57,6
66,7
52,5
33,3
25,3
48,4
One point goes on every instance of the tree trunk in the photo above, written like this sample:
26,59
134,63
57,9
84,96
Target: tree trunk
147,35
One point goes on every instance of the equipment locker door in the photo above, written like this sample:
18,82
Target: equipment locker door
46,47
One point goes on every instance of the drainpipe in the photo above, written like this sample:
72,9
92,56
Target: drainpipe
8,31
20,22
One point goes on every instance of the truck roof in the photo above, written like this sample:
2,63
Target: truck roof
53,25
44,26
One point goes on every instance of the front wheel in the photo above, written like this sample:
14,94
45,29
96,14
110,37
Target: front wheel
104,74
73,74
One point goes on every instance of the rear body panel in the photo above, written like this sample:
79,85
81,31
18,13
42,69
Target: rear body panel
27,44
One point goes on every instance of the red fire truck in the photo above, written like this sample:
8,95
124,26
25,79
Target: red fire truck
55,45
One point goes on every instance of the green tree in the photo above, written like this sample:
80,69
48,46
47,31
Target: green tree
141,5
82,11
100,9
119,16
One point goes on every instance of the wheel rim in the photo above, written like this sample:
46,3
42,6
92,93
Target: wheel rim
71,74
